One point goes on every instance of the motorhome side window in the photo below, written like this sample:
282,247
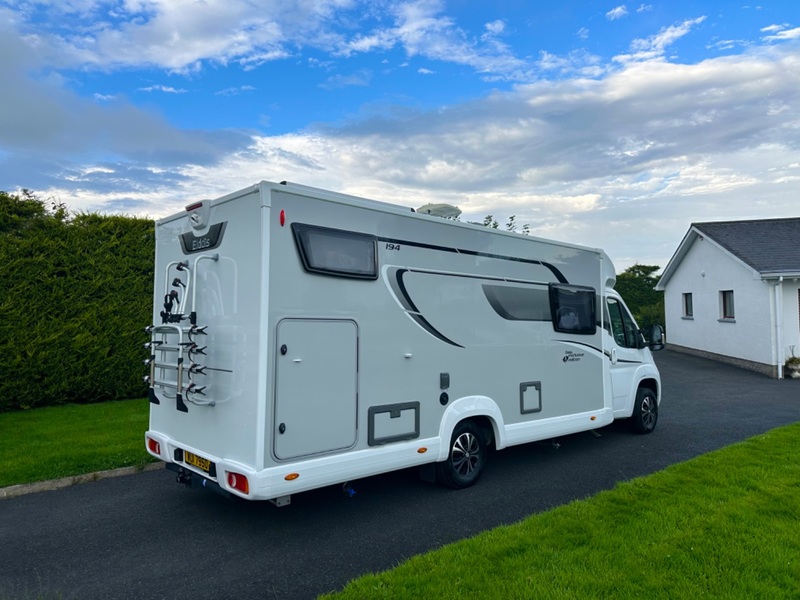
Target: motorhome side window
573,308
623,326
336,252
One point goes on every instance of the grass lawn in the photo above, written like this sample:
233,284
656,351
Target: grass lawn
724,525
49,443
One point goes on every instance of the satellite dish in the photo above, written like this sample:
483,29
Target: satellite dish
446,211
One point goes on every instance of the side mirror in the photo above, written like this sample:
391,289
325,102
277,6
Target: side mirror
656,338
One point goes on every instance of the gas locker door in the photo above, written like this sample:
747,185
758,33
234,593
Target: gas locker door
316,387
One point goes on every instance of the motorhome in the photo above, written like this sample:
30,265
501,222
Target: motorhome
303,338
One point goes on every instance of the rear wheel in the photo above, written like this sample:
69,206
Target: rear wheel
466,459
645,411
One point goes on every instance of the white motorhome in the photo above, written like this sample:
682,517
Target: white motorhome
305,338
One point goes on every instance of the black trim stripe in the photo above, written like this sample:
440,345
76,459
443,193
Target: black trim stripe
554,270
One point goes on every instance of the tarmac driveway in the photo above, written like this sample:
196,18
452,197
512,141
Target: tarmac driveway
145,536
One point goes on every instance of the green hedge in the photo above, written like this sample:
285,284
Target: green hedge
75,296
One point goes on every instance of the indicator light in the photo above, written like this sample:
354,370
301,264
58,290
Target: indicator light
292,476
283,218
422,450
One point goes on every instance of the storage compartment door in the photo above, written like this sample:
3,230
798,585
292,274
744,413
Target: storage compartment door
316,388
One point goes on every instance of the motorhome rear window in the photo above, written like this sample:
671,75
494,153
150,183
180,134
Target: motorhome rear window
336,252
573,308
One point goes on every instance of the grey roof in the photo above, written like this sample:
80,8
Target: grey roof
771,247
767,245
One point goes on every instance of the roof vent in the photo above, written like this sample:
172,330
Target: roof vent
446,211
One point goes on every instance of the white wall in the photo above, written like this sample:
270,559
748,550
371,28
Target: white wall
790,332
705,270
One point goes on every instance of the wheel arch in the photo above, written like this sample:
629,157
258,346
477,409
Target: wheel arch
480,409
653,385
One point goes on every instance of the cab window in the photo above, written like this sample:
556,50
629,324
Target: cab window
623,327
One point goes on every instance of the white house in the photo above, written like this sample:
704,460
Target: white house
732,293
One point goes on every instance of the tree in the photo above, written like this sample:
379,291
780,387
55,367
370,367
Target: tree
636,285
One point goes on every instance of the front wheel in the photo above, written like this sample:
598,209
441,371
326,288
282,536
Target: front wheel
466,459
645,411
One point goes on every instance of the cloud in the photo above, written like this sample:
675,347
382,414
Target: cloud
361,78
601,150
164,35
235,91
47,131
617,13
162,88
656,45
786,34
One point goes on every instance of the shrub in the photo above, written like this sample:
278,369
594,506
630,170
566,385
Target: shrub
76,294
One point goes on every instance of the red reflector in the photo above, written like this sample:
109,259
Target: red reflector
238,482
194,206
283,218
153,446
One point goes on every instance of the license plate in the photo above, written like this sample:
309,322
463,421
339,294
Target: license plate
197,461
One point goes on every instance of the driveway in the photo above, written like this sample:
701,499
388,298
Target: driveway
145,536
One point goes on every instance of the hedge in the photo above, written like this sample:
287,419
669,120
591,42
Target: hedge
75,296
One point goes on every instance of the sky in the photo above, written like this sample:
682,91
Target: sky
606,124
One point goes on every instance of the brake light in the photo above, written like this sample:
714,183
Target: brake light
238,482
153,446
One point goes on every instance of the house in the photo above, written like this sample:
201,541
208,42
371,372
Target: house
732,293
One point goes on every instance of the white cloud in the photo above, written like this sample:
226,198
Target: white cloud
617,13
774,28
602,151
361,78
495,27
654,143
162,88
787,34
235,91
656,45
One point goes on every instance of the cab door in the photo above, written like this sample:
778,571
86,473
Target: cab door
623,342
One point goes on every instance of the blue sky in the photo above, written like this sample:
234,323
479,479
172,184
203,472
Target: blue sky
602,123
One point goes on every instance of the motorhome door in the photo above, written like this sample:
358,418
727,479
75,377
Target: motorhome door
316,386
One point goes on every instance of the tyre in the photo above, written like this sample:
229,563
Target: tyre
645,411
467,457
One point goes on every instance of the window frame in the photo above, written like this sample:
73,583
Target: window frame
687,304
307,239
581,299
727,307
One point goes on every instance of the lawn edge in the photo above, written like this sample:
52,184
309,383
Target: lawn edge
13,491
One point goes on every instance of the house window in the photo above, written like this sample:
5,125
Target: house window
726,304
688,310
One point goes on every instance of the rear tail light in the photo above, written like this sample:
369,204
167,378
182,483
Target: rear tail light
153,446
238,482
